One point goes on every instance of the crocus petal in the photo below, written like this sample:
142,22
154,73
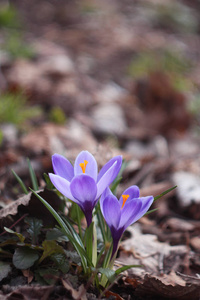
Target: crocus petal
91,167
62,185
130,212
107,178
133,192
134,210
111,211
84,189
146,203
109,164
106,193
62,167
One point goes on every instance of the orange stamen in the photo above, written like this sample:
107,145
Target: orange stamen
125,197
83,165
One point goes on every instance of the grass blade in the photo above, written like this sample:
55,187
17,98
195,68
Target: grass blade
33,176
20,182
164,193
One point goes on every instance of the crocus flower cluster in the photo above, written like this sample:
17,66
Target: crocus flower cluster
83,184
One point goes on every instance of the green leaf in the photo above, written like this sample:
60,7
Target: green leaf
20,182
94,246
49,184
9,242
57,235
124,268
164,193
5,269
61,262
24,258
19,235
50,247
110,274
69,231
88,238
34,228
33,176
101,222
47,276
150,211
73,256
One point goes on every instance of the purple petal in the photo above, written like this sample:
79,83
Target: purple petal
111,211
62,185
106,193
91,168
130,211
84,189
107,178
133,192
62,167
134,210
146,203
109,164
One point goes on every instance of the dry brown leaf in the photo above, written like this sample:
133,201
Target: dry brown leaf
145,249
79,294
30,293
33,206
153,286
12,208
28,274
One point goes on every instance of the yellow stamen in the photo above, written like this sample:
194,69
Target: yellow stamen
83,165
125,197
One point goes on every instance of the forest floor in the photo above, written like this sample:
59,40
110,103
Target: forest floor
113,78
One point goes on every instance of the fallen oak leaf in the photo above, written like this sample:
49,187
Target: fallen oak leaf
31,205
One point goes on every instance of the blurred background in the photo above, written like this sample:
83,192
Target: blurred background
107,76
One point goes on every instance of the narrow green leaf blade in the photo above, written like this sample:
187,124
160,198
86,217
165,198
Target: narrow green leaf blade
164,193
124,268
33,176
20,182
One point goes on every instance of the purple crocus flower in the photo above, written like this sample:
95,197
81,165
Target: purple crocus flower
82,183
120,214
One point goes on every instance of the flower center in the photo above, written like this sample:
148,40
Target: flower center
83,165
125,197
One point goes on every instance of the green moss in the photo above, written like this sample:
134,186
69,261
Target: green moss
14,109
16,47
8,16
57,115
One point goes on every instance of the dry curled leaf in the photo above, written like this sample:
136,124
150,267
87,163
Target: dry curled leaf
79,294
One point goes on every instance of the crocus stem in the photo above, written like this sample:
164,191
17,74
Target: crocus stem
79,222
88,216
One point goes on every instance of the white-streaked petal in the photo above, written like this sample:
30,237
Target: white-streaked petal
62,167
91,167
133,192
111,211
62,185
